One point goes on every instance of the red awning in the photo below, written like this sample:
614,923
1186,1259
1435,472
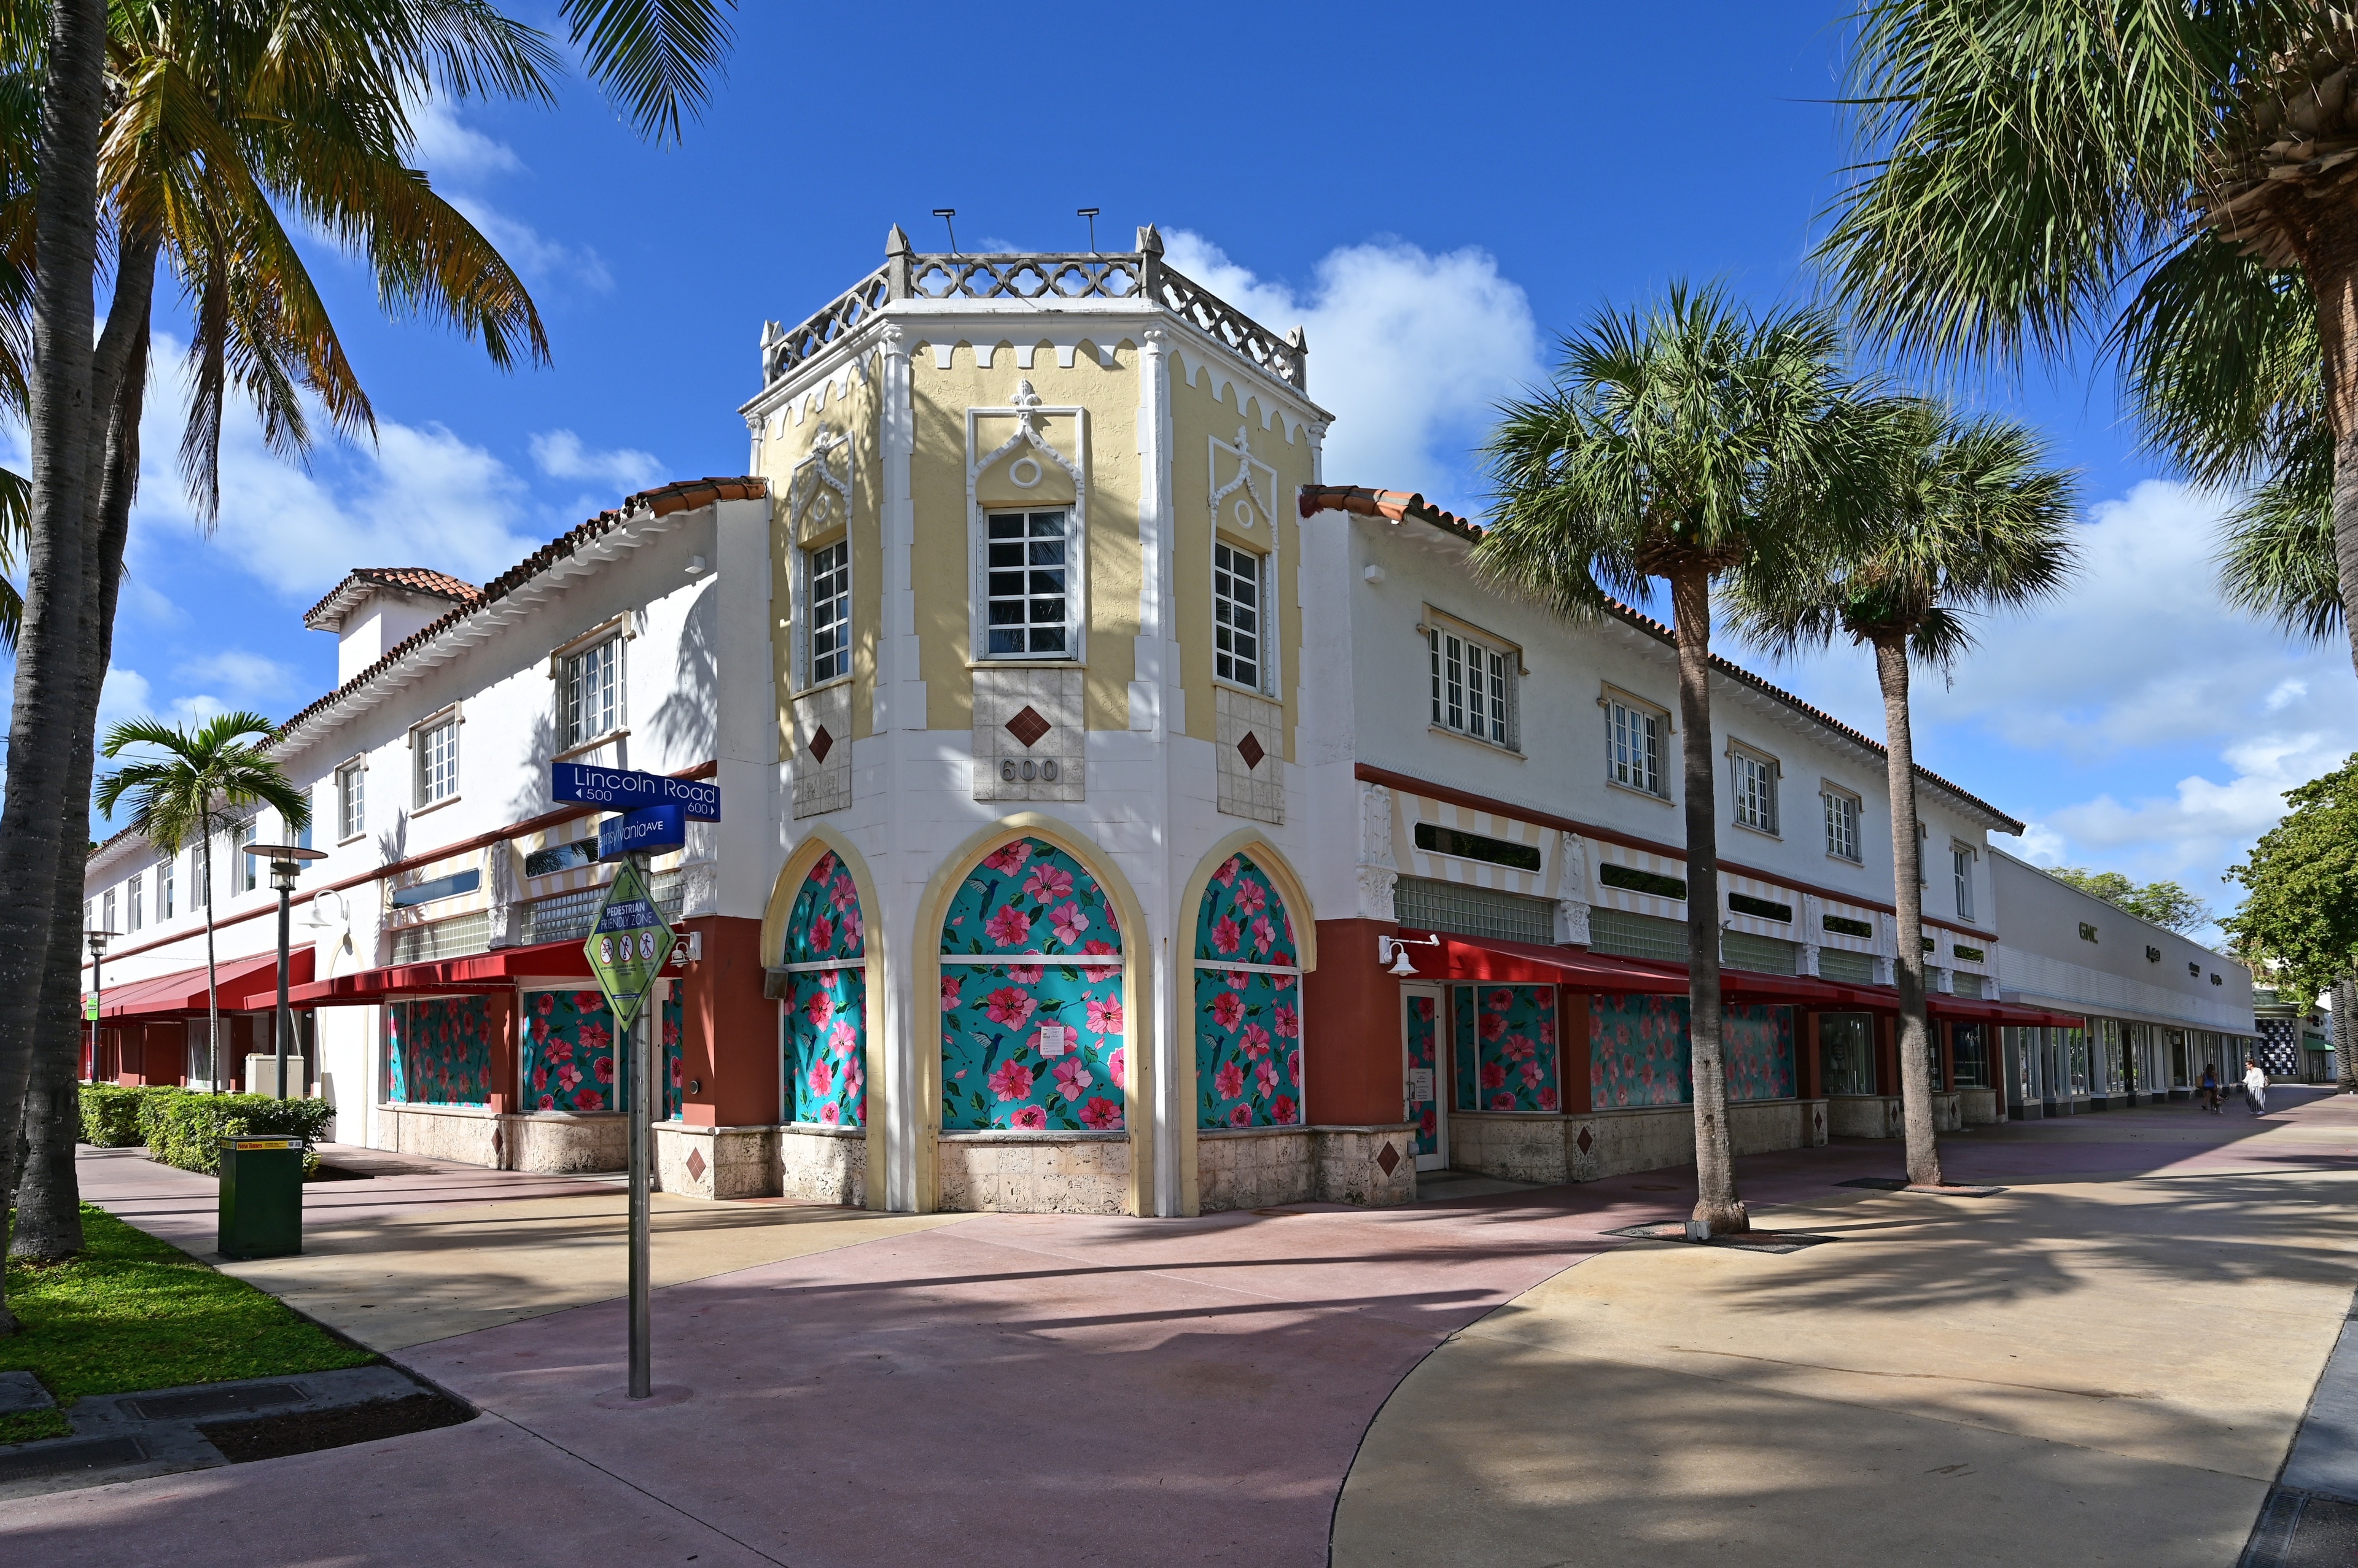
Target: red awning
182,992
477,973
1973,1008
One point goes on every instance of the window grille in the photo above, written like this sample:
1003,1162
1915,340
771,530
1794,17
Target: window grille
456,937
1969,986
1962,860
1473,687
1755,791
567,916
594,692
1634,756
1764,955
1026,573
437,762
1841,825
1424,905
1236,583
1618,931
826,590
1845,967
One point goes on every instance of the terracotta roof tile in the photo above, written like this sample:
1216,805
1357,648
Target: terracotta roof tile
341,598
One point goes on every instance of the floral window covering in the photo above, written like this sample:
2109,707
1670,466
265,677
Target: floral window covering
1248,1021
1758,1044
824,1032
438,1051
1507,1048
1423,1041
1641,1053
569,1053
1032,1034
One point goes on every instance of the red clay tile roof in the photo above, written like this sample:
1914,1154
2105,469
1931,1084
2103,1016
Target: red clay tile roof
1394,505
680,495
327,614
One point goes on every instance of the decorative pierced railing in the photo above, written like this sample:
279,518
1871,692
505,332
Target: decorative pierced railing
1138,275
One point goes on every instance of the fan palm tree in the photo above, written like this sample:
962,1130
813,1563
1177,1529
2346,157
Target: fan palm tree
187,785
2194,159
1691,441
1968,517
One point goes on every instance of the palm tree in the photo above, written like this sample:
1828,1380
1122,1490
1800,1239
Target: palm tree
189,784
1691,441
1968,517
2191,159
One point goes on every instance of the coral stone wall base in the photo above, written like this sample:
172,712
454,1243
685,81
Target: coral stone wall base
821,1164
1254,1167
541,1142
716,1161
1351,1166
1978,1108
1034,1173
1865,1115
1512,1148
468,1133
1590,1146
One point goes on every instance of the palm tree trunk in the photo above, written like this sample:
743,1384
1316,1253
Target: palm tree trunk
2331,260
40,730
1716,1203
1908,900
2345,1035
212,981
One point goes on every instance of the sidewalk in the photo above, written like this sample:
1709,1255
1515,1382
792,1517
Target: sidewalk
849,1389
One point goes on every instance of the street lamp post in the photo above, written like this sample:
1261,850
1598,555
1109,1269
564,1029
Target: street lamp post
98,992
286,865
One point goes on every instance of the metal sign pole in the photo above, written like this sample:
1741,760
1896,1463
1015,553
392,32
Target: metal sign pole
633,1044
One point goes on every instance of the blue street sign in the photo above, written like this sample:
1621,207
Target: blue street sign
648,830
626,789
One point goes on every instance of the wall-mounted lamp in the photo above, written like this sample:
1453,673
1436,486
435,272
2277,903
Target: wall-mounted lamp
1392,952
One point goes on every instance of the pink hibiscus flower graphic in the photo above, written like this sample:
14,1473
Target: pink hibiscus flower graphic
822,934
821,1079
1530,1075
1547,1031
838,1039
1105,1015
596,1037
604,1069
548,1102
1227,1009
1047,884
949,993
1255,1040
1025,974
1516,1048
540,1030
1283,1110
548,1002
1007,928
1113,1065
1546,1099
1072,1078
1493,1074
569,1078
825,869
678,1072
540,1078
1225,936
1008,859
1011,1080
1032,1118
1499,1000
1263,933
1230,1081
590,1099
830,1115
851,928
1288,1020
842,894
1252,898
589,1002
1293,1065
560,1049
1236,980
1492,1026
1266,1072
1502,1102
1010,1007
1069,923
1241,1116
819,1009
1425,1009
1103,1115
1227,875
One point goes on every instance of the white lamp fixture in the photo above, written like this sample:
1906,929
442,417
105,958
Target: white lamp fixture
1392,952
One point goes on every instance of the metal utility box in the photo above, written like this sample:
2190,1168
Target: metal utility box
261,1196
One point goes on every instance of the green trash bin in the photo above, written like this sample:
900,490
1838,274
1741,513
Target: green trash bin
261,1196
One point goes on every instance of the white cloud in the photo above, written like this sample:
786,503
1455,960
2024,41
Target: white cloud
2039,844
126,693
248,677
448,148
561,455
540,259
1408,350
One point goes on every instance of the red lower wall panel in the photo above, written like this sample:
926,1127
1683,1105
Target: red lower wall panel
1351,1028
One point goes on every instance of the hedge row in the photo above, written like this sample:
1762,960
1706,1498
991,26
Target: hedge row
186,1129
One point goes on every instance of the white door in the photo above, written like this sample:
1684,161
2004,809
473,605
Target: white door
1423,1025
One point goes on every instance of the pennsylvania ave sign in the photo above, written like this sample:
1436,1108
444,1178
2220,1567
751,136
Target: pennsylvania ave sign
628,944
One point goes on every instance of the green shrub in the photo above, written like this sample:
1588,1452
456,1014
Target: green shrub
154,1100
110,1116
193,1125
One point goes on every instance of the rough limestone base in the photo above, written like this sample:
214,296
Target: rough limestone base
1349,1164
553,1143
731,1161
468,1133
1512,1148
821,1164
1978,1108
1253,1167
1603,1143
1034,1173
1882,1116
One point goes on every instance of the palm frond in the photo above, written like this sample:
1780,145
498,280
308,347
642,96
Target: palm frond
2276,560
657,57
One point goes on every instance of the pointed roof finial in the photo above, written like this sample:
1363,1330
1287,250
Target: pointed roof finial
896,244
1150,242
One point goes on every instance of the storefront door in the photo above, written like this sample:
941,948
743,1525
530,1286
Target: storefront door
1421,1014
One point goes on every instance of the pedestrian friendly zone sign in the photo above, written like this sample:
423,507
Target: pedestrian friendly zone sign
628,944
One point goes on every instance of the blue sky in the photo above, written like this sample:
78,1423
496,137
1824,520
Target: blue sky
1436,196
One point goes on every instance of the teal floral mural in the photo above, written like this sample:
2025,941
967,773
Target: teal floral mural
1423,1052
1032,1038
567,1059
1507,1048
824,1056
1248,1022
438,1051
1760,1049
1639,1053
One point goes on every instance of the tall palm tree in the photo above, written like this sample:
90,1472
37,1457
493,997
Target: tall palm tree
2192,160
189,784
1693,441
1968,517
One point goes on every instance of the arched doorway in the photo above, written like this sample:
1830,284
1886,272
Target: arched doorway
1248,1003
823,1052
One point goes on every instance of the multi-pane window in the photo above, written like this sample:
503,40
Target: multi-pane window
1634,746
1473,686
1026,574
1237,584
1961,860
1841,824
200,871
827,589
1755,791
438,762
106,910
243,871
166,886
352,800
592,693
134,901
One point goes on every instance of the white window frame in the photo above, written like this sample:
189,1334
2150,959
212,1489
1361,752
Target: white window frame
1033,445
421,742
1622,713
1071,599
1264,586
1473,682
1754,777
244,873
135,892
106,910
1961,865
1834,795
808,573
574,729
352,800
167,887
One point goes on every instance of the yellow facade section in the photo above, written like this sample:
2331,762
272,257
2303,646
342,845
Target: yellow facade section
849,404
943,566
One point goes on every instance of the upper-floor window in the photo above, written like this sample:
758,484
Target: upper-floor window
167,887
352,799
1841,824
592,688
827,594
106,910
244,874
134,901
1236,597
1634,745
1026,582
1473,685
200,871
1755,781
436,750
1960,862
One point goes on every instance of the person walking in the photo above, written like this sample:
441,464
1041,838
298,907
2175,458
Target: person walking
2210,1092
2255,1086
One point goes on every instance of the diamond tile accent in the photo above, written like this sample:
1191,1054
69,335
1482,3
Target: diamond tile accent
1586,1140
821,744
1028,726
1390,1159
695,1156
1250,750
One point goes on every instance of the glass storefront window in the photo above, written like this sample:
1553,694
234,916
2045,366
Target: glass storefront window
1846,1052
1969,1051
2075,1058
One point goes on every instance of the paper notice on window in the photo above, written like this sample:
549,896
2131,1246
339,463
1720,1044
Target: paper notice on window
1054,1039
1420,1085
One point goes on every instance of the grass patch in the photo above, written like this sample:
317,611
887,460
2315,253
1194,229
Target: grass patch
26,1425
131,1312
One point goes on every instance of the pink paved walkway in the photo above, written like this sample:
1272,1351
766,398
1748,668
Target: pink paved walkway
1011,1390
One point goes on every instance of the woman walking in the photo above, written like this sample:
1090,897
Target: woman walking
2255,1087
